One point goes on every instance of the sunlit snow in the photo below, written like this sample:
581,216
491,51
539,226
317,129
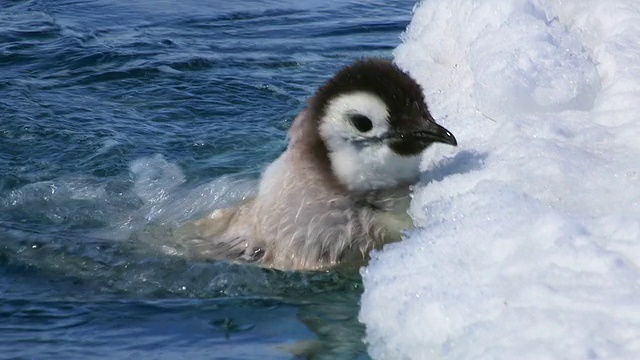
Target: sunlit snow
528,234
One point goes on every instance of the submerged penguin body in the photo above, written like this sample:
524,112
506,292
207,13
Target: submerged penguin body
341,188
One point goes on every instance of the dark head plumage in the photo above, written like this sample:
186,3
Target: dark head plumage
371,104
397,89
411,125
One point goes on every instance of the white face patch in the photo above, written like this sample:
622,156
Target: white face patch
363,167
336,124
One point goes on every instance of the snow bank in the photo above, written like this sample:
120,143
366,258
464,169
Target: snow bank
528,238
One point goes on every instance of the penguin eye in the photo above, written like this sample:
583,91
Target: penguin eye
361,122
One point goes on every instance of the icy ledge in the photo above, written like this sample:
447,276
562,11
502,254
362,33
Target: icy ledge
528,239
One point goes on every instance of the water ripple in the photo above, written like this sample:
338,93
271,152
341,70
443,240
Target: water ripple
119,119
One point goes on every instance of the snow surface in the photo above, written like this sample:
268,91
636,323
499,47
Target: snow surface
528,234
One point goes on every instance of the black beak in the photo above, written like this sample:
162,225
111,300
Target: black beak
433,132
412,141
428,132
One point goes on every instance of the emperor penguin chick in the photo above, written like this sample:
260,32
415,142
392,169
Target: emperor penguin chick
341,188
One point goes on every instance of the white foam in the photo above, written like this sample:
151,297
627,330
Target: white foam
61,201
528,239
166,201
159,184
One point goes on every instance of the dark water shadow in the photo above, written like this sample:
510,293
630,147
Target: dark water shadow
315,312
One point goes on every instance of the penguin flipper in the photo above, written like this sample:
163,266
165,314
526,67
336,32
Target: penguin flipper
207,238
236,249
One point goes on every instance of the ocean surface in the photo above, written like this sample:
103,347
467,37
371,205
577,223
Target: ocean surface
120,119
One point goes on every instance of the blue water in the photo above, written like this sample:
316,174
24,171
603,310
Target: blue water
118,117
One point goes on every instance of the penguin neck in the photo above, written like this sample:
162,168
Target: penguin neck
310,153
372,168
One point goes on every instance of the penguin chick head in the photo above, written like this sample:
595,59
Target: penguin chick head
374,123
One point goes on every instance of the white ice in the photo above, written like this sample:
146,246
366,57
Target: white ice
528,234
